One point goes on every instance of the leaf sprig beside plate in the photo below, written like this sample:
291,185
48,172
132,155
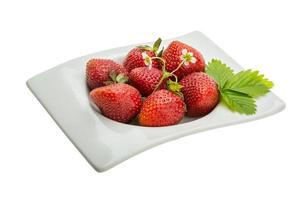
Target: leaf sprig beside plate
238,90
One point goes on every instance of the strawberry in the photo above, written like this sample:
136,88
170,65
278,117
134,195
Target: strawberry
141,56
98,71
200,93
182,59
145,80
162,108
120,102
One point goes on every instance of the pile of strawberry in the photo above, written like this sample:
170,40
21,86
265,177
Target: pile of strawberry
158,87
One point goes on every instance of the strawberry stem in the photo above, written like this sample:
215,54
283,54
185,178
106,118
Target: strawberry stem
179,66
167,74
162,60
164,76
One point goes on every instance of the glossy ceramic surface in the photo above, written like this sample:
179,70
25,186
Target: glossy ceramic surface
105,143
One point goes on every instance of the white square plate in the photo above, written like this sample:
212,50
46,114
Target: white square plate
105,143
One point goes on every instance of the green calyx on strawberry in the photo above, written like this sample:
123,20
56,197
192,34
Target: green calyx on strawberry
116,78
144,56
154,48
174,87
171,85
98,70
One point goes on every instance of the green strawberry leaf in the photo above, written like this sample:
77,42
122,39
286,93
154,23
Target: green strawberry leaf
249,82
145,47
160,52
238,91
156,45
239,102
154,48
219,71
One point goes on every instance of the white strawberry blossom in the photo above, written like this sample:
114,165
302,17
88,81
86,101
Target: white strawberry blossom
147,60
187,57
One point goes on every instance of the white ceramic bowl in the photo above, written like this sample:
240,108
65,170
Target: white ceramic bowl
105,143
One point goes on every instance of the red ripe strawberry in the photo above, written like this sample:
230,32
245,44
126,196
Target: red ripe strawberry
162,108
98,71
189,59
141,56
145,79
120,102
200,93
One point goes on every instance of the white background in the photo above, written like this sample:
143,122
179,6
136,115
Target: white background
265,159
